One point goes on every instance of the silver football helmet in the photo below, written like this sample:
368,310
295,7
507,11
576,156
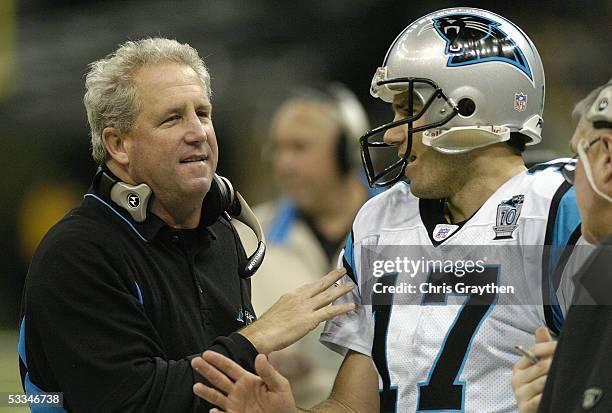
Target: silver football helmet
478,78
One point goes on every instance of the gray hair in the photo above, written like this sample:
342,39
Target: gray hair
582,107
110,92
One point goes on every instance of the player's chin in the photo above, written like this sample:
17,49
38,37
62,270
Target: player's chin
423,188
416,189
422,180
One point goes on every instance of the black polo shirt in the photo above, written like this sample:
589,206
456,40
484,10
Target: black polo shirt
580,377
114,310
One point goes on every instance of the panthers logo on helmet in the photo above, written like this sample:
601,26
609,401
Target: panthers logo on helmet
472,39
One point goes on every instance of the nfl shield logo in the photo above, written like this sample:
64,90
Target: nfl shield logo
520,102
443,231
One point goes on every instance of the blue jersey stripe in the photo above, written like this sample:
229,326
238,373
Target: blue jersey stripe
29,387
32,389
349,255
140,300
567,218
563,222
348,260
118,214
21,344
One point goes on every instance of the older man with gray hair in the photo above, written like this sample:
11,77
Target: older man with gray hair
579,376
148,272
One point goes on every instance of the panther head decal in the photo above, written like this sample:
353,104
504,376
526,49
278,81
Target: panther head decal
472,39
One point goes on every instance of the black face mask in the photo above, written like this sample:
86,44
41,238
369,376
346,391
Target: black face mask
379,172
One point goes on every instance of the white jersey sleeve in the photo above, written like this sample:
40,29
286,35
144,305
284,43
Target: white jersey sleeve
353,330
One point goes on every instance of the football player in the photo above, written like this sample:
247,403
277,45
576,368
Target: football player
467,91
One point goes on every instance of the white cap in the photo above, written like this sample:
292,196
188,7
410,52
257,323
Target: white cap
600,113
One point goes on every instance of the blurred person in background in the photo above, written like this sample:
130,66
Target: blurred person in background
578,377
148,270
314,148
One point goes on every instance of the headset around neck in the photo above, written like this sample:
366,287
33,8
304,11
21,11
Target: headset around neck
221,199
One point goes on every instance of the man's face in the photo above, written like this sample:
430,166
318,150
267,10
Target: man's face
305,160
172,145
432,175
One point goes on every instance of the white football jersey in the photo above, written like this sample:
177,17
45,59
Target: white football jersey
434,352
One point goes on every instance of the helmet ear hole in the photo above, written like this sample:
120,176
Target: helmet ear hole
467,107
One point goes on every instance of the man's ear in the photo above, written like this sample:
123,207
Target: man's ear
606,161
115,145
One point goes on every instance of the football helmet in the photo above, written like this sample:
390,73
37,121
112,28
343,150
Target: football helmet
478,78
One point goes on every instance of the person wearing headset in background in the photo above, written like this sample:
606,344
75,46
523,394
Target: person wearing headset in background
148,271
580,377
314,149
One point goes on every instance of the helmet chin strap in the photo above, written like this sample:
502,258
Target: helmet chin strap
462,139
587,169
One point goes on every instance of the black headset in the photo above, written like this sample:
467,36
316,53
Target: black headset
220,200
353,122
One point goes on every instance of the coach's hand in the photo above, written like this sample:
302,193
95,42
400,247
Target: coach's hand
238,391
298,312
528,379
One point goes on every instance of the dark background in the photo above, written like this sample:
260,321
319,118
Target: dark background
256,51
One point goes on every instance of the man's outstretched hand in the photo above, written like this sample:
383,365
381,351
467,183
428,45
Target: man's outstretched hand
298,312
238,391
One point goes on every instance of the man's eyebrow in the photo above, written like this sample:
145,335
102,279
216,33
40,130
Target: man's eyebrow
180,108
173,109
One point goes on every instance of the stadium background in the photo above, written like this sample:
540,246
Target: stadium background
257,51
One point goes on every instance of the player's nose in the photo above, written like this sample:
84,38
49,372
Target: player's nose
395,136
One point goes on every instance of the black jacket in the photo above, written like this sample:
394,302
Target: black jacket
114,310
581,372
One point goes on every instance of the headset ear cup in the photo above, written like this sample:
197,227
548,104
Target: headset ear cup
343,156
219,199
212,206
353,123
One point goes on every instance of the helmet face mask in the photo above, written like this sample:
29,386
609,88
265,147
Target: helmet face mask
478,78
429,96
